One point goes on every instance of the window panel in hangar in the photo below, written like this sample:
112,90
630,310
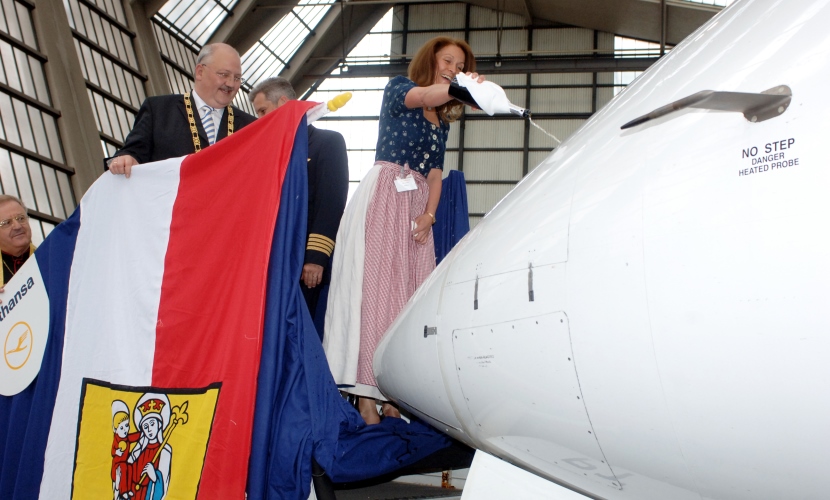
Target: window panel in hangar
104,45
493,166
31,153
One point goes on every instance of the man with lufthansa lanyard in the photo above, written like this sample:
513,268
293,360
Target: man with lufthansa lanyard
176,125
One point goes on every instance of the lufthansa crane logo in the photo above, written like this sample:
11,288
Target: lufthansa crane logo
18,345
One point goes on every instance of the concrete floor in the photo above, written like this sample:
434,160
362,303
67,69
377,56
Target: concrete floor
395,490
415,486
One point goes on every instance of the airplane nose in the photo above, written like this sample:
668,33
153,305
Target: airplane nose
407,364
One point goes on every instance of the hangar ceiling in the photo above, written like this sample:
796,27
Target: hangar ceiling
126,50
640,19
303,40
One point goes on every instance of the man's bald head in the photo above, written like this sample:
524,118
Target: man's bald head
218,74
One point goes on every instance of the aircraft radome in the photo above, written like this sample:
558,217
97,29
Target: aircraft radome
647,314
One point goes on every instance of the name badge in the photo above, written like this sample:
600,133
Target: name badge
405,184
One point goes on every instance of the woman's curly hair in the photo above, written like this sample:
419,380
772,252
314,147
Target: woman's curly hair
423,67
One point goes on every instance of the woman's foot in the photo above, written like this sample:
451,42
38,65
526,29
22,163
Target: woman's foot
389,410
368,410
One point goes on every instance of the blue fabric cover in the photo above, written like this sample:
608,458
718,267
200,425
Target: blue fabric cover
299,411
452,220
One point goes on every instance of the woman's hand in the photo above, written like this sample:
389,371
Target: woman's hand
476,77
422,228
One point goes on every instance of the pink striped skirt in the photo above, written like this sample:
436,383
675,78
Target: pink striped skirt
395,265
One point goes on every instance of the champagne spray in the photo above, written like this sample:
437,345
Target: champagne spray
488,97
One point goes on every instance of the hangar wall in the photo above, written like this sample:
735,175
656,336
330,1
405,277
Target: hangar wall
493,152
33,165
74,74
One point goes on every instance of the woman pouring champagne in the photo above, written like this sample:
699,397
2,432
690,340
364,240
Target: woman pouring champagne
385,243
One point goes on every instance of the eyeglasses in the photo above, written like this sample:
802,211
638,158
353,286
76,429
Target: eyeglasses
227,76
20,219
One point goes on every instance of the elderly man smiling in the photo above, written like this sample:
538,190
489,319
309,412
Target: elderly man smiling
163,125
15,235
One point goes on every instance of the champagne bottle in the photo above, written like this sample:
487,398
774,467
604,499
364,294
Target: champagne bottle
462,94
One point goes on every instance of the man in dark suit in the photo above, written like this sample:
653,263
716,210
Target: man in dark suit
328,188
163,125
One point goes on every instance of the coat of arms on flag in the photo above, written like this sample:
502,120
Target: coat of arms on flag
154,440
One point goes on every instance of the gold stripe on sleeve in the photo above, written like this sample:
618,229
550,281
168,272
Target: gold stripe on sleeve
318,248
320,243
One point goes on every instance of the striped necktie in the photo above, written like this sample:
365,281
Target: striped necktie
207,123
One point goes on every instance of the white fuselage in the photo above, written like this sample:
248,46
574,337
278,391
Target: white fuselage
677,343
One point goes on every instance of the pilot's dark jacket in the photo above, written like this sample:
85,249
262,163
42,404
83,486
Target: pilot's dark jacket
328,187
